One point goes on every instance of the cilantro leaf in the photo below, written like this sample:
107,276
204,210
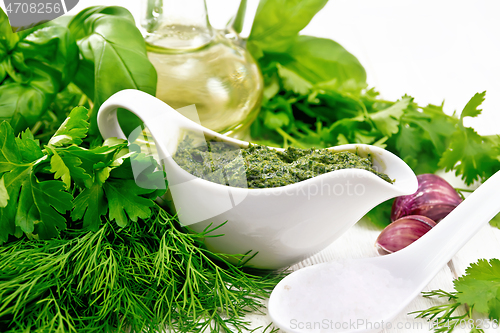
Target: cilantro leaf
29,147
77,173
28,205
436,128
275,120
480,286
90,160
125,201
293,81
364,137
471,108
125,196
348,127
7,226
67,167
13,182
143,168
494,306
152,176
90,205
470,155
32,204
40,207
272,87
387,120
60,169
4,195
26,214
73,129
495,222
408,142
51,200
13,172
342,140
9,151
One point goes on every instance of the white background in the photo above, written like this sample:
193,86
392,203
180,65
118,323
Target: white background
431,50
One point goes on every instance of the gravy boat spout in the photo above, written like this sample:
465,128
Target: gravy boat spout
275,227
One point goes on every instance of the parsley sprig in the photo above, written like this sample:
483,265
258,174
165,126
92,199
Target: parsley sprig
477,290
40,187
471,155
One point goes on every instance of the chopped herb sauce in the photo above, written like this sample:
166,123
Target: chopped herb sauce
261,167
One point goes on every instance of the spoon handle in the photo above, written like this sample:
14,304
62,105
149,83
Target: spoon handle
433,250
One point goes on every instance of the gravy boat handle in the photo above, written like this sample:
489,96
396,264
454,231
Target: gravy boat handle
155,114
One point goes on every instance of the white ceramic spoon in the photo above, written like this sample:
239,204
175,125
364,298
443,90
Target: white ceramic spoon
364,295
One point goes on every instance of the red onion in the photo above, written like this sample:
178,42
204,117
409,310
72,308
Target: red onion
435,198
402,233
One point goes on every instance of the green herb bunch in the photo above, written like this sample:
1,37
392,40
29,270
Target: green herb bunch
81,61
148,276
98,255
478,289
40,189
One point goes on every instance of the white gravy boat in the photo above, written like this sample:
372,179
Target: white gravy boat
281,225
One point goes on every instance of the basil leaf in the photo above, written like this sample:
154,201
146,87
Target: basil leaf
35,65
113,54
277,23
8,40
321,60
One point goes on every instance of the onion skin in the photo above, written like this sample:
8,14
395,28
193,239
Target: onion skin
402,232
435,198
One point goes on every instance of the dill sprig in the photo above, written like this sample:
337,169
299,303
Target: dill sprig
149,276
444,317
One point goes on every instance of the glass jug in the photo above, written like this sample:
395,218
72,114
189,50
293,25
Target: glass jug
199,65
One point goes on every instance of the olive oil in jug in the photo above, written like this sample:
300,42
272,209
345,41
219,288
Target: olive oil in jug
199,65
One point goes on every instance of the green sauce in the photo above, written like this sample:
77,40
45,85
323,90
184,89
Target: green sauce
260,167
